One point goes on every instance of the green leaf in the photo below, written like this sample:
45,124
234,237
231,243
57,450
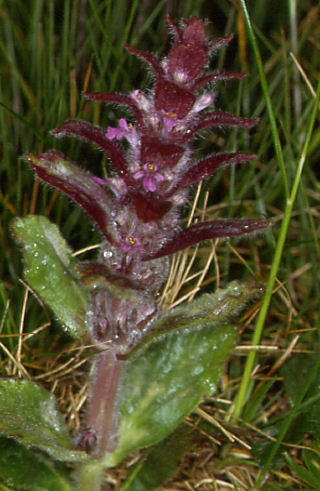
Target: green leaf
298,372
160,463
50,271
22,469
168,379
29,413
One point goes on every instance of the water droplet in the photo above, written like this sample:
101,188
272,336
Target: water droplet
197,370
107,254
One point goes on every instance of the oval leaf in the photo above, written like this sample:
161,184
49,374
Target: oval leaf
181,365
50,271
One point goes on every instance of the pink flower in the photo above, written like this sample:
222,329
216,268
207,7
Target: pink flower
125,130
103,182
131,244
150,177
171,122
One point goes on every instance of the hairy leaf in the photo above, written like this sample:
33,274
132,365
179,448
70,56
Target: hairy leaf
29,413
81,186
26,470
50,271
181,364
208,167
212,229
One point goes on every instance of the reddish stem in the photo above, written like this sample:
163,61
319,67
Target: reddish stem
102,412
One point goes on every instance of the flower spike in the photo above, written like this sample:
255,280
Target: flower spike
137,208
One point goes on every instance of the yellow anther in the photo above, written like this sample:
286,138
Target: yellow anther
172,115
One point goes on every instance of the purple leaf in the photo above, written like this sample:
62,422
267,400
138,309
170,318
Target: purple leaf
95,135
160,152
148,57
209,230
214,77
172,99
149,209
220,42
188,56
206,168
186,63
193,30
53,168
220,118
109,97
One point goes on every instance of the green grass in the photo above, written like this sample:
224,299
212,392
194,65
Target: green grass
49,53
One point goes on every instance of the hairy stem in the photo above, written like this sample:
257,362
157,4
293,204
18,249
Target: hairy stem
102,418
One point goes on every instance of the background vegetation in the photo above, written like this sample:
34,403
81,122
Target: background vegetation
262,430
